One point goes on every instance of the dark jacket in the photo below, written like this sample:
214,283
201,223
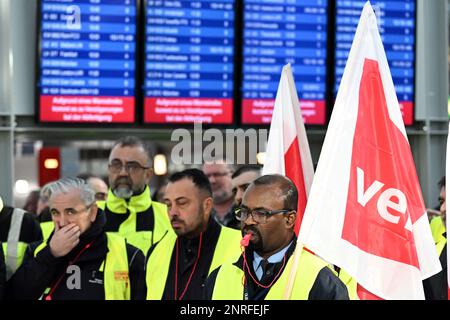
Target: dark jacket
2,274
43,271
435,287
327,285
30,230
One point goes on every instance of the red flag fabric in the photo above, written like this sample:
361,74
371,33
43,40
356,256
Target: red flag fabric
365,212
287,150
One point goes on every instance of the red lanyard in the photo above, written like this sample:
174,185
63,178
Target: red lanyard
192,272
256,281
49,295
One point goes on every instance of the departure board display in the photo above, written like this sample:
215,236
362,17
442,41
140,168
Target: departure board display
87,61
189,61
276,33
396,22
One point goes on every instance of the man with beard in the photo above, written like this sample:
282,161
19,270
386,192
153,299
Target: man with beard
179,264
267,216
436,287
219,176
79,261
129,208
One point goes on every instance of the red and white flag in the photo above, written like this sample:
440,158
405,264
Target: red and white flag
447,195
287,150
365,211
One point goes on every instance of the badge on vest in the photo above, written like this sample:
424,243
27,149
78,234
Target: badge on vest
121,275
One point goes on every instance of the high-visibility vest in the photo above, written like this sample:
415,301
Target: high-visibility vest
229,285
13,249
138,205
350,283
437,230
227,248
115,269
47,228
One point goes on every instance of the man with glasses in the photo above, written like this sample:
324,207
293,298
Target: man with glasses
219,176
79,261
267,216
129,208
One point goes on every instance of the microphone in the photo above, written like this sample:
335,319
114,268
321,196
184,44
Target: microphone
246,239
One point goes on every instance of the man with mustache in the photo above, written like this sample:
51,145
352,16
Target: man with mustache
179,264
129,208
268,214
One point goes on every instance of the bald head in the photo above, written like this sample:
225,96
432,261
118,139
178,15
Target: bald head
285,187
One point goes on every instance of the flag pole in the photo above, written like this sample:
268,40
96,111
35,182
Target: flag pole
291,279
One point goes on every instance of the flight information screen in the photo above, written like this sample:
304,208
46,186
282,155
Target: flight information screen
189,61
87,61
277,32
396,22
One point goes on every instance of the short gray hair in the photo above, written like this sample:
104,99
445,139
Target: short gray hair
67,185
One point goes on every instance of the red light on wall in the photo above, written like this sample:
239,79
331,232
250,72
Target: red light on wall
49,165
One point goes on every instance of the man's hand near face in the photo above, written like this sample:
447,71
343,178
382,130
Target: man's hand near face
64,239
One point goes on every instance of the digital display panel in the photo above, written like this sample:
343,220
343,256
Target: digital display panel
396,22
189,56
277,32
86,61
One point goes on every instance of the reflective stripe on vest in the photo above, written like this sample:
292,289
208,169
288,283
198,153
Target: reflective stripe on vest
21,249
437,230
115,269
116,275
229,286
137,204
13,254
47,229
227,248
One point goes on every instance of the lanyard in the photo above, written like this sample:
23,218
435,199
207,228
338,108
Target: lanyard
52,289
192,272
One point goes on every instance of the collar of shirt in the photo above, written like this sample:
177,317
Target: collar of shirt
276,257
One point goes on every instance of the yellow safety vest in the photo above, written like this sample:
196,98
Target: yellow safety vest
115,270
227,248
21,249
47,229
350,283
137,205
229,286
437,230
13,249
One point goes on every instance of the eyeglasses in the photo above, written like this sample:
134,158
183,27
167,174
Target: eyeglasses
130,167
217,174
71,211
258,215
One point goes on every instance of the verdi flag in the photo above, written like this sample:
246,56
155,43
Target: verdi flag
365,211
287,151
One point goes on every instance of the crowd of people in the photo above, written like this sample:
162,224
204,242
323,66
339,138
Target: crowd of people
217,233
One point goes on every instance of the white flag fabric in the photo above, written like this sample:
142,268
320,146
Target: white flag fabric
365,211
287,150
447,194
